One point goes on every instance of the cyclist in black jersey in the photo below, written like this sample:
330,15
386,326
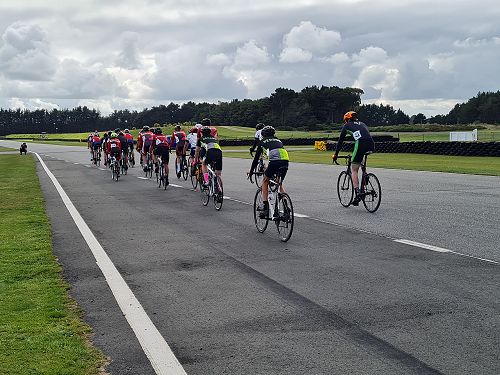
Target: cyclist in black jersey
363,142
278,161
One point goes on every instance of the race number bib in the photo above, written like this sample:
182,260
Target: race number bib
113,145
356,135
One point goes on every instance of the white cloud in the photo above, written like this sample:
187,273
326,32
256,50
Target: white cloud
337,58
308,36
251,54
295,55
370,56
129,57
219,59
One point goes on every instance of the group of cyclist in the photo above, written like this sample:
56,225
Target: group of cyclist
202,144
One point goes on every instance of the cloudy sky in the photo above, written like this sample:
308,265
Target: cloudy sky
417,55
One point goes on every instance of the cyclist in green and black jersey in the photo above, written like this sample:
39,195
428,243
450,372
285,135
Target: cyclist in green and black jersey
207,147
278,161
363,142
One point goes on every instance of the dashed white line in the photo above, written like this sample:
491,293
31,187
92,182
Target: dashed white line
76,163
101,169
300,215
423,246
142,178
152,342
176,186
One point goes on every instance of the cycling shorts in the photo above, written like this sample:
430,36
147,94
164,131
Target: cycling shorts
179,149
145,149
193,151
163,152
96,146
274,166
360,149
125,151
214,156
116,153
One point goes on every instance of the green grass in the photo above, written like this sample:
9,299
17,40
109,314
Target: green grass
40,328
421,162
6,149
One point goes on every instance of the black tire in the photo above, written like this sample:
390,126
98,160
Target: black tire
372,193
219,193
194,178
159,177
345,190
285,218
177,169
260,224
117,171
150,169
259,175
205,194
185,169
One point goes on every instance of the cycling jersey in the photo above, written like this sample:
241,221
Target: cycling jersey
192,138
96,140
114,147
208,143
130,138
160,140
256,140
179,137
363,141
145,140
275,152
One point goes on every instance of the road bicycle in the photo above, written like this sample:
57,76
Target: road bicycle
280,209
213,189
96,157
115,168
149,166
370,191
124,163
258,174
196,175
183,169
131,158
161,177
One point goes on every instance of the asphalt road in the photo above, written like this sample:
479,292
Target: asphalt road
332,300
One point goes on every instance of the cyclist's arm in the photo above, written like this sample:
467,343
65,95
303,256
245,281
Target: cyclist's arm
256,158
343,133
255,143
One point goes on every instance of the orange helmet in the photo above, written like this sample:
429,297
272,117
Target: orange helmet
350,115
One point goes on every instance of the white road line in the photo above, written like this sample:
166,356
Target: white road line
154,345
101,169
299,215
237,200
424,246
87,166
174,185
143,178
76,163
226,197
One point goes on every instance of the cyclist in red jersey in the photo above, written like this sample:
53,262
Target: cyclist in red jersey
144,143
161,148
179,138
114,146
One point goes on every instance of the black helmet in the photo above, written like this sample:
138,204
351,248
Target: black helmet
268,131
206,131
259,126
117,130
145,128
158,131
177,128
206,122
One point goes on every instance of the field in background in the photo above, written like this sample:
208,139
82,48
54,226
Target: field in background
420,162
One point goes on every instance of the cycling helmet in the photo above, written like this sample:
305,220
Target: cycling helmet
206,131
350,115
145,128
127,131
193,130
109,133
117,130
158,131
177,128
268,131
206,122
96,133
259,126
198,126
113,135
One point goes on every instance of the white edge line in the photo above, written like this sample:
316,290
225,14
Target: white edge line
423,246
76,163
101,169
300,215
143,178
176,186
152,342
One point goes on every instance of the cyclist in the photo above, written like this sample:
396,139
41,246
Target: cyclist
363,142
144,142
179,139
278,161
208,148
89,145
104,145
23,148
161,148
114,146
192,138
130,144
96,145
124,147
258,130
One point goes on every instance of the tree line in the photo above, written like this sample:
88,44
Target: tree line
313,108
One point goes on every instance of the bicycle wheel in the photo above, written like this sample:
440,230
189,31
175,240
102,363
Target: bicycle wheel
260,224
150,169
345,190
159,177
219,193
284,217
112,172
117,171
194,177
205,193
177,168
372,193
259,175
185,170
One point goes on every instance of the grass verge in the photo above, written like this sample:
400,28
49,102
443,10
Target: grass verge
6,149
40,327
480,165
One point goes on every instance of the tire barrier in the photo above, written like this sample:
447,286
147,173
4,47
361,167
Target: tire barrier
434,148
